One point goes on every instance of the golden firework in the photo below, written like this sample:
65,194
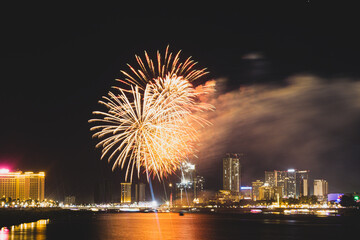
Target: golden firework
151,124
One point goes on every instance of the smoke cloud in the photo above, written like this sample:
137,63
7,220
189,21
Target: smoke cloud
309,123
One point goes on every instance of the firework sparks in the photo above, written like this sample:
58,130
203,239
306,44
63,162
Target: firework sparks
151,124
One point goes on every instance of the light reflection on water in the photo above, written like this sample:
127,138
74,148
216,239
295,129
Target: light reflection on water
154,226
25,231
191,226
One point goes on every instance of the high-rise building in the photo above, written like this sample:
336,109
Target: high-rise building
255,189
302,183
290,183
22,186
321,189
139,192
276,179
125,193
280,177
199,182
232,172
270,178
267,192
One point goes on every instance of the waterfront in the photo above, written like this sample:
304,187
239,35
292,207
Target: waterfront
190,226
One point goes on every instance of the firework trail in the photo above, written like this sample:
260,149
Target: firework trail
151,123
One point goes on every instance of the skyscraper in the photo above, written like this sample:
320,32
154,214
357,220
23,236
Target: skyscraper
139,192
23,186
125,193
302,183
255,189
277,179
320,189
232,172
199,182
280,177
270,178
290,183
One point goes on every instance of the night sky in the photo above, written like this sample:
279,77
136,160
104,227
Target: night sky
287,76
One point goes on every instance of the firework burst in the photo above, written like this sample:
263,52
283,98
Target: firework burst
151,122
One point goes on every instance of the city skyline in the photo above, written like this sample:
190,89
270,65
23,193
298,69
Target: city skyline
192,185
287,89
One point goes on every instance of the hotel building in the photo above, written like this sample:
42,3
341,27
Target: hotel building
22,186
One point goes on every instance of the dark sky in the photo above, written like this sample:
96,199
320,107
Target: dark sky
295,105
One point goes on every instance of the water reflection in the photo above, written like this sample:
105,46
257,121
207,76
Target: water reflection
155,226
25,231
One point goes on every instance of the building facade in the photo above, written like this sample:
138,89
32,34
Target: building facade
290,183
22,186
255,189
139,192
293,183
232,172
280,178
302,183
199,183
125,193
246,192
321,189
270,178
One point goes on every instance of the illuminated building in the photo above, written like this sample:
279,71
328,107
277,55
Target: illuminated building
224,196
321,189
199,182
280,177
232,172
293,183
267,192
246,192
22,186
255,189
290,183
270,178
125,193
140,192
302,183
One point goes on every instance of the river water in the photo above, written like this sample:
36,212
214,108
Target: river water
190,226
